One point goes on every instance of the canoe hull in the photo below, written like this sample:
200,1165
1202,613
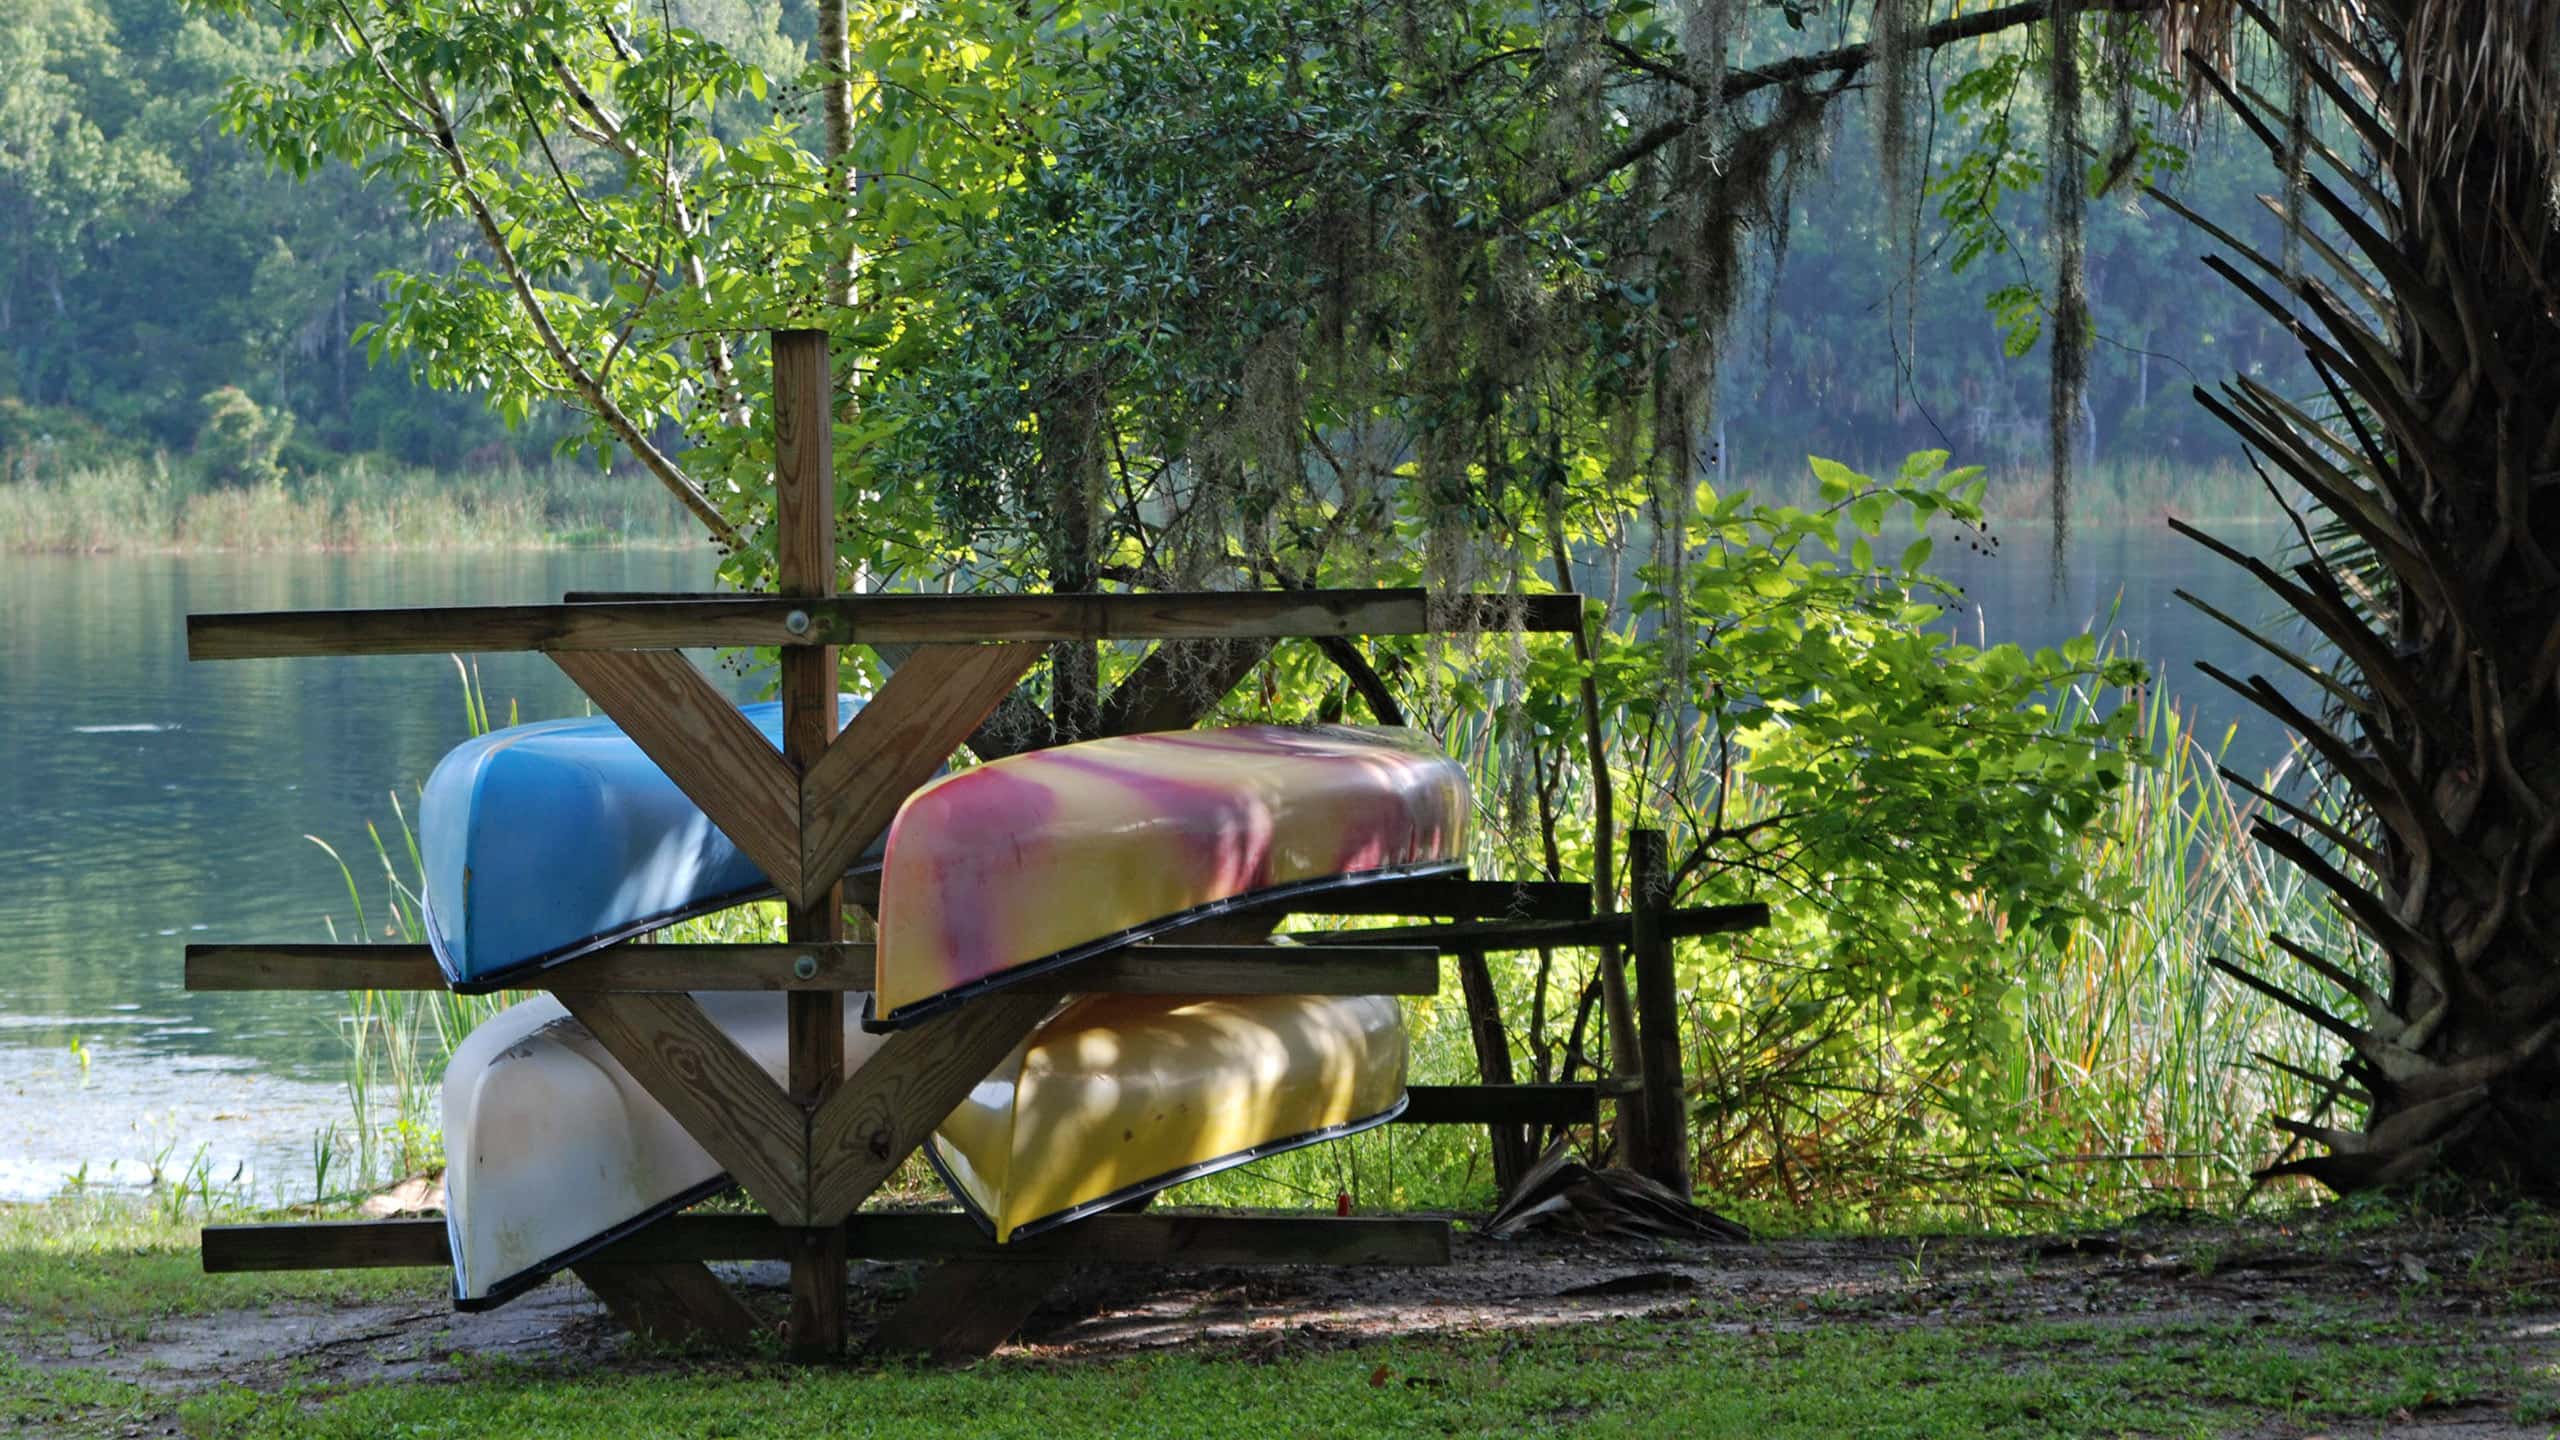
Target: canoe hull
1001,871
543,842
553,1151
1119,1096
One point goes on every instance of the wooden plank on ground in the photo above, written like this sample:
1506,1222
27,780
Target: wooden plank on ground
885,1109
1171,1240
744,621
723,1099
1152,1239
1500,1105
895,743
705,746
671,1301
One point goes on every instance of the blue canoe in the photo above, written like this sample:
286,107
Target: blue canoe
542,842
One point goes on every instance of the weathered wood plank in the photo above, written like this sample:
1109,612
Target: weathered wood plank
1664,1154
325,1245
861,619
1512,1153
1153,1239
804,508
723,1099
672,1301
1500,1105
895,743
1496,935
705,746
1246,970
312,967
963,1309
886,1108
1456,896
1152,969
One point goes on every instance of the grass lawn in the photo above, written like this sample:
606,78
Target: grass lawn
1866,1345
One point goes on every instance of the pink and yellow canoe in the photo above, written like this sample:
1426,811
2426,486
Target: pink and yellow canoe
1036,861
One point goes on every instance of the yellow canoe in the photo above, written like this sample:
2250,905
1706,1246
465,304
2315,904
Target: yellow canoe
1118,1096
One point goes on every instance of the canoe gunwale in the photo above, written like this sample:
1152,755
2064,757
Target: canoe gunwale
958,995
522,974
1029,1229
542,1270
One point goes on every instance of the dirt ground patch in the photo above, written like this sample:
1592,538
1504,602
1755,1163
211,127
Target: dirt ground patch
2483,1281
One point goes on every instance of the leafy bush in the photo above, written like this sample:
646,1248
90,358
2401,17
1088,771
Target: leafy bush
239,441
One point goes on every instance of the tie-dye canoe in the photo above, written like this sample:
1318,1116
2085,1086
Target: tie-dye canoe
1119,1096
1036,861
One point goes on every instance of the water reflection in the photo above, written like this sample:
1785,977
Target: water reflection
146,802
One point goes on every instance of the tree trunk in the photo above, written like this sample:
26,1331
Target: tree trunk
2447,726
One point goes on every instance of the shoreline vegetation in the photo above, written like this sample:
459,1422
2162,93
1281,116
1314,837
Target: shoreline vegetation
135,507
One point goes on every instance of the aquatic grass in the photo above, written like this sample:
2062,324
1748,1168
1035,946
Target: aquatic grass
128,506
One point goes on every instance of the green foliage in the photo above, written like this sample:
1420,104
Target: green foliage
238,442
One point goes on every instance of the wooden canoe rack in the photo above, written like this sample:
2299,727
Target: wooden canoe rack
813,1150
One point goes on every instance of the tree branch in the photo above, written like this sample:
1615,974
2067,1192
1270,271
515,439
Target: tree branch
1845,62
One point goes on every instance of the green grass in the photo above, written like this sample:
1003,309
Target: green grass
109,1267
128,506
1638,1378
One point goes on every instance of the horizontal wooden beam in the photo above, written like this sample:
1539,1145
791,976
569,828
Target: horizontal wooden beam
1453,895
759,620
627,966
1501,1105
1247,970
1465,935
1166,1239
1155,969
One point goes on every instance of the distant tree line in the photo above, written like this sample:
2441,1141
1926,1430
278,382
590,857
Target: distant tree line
162,287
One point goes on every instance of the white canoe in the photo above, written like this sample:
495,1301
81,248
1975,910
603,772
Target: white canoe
553,1151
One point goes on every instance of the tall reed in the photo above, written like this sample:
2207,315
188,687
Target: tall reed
129,506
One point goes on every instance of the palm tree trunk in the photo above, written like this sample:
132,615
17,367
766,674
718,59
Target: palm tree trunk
2442,603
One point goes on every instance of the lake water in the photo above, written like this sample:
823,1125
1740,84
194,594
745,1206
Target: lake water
146,802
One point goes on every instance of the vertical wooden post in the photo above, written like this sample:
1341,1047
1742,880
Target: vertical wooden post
1493,1064
804,493
1665,1146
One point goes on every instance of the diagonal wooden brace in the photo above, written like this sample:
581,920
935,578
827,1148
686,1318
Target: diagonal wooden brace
723,1099
926,710
705,746
884,1110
